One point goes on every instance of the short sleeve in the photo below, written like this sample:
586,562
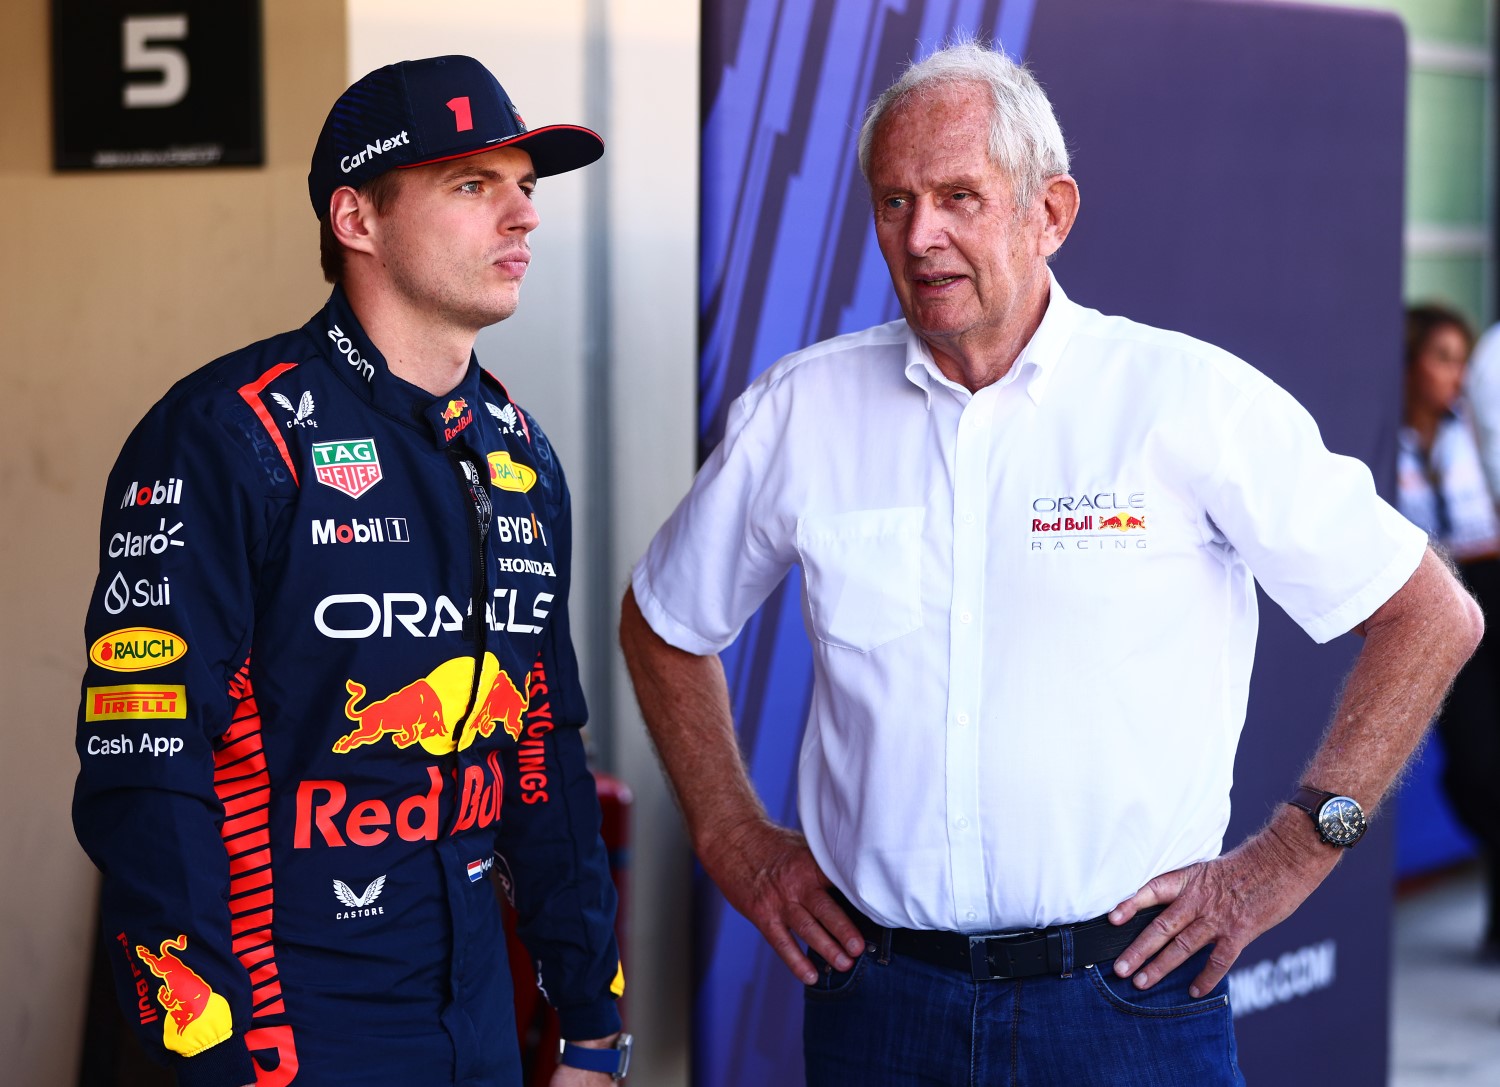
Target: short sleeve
1307,521
726,546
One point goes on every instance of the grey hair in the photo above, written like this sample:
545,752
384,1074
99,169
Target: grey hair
1025,140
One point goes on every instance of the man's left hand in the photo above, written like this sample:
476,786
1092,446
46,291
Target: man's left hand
1227,902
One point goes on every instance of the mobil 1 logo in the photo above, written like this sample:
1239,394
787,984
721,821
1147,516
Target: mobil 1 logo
361,530
156,83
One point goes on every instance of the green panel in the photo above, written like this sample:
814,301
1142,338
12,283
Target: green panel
1459,22
1454,281
1445,149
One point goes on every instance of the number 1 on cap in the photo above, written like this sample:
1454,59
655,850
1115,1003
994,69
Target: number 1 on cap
461,115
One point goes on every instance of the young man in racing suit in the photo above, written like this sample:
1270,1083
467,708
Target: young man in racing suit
330,683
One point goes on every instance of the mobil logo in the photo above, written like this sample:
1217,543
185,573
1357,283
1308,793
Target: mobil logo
155,493
361,530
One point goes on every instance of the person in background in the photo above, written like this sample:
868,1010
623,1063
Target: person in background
1441,487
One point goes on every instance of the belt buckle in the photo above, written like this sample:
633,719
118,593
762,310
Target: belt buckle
979,955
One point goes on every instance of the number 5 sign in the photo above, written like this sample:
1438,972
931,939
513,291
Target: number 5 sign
156,83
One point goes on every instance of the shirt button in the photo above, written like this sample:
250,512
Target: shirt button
961,823
965,617
962,718
968,518
972,916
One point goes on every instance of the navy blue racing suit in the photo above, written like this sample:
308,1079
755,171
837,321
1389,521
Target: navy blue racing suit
331,692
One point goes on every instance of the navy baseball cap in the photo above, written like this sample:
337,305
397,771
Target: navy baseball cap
421,111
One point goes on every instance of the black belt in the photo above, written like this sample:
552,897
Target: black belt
1010,955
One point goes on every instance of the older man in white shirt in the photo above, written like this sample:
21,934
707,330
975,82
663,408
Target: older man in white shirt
997,875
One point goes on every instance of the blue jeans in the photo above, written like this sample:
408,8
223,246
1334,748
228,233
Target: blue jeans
899,1022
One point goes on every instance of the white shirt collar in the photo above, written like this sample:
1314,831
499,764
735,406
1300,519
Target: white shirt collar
1033,365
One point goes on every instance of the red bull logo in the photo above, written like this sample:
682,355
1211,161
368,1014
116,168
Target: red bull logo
456,417
199,1017
411,713
426,711
1124,522
325,811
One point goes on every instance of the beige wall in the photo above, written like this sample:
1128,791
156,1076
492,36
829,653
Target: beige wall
112,285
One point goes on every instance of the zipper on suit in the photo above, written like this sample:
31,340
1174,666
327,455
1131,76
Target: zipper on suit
476,490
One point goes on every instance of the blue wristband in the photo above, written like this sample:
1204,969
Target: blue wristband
612,1061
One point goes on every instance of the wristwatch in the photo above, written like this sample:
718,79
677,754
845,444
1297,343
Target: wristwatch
614,1061
1339,819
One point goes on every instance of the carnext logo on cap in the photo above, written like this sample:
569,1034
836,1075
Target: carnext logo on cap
359,158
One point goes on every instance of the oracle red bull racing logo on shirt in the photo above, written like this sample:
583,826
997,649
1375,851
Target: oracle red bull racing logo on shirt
422,713
1099,521
349,466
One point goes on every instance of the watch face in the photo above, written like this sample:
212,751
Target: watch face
1341,821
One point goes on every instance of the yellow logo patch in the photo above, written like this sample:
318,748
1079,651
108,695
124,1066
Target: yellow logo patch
135,649
136,701
510,476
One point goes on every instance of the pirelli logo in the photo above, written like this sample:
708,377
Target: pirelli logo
136,701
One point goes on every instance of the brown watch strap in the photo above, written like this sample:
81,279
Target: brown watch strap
1309,799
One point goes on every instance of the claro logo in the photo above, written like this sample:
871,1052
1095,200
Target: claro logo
351,353
134,545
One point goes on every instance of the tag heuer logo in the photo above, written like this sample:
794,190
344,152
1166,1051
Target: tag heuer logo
352,467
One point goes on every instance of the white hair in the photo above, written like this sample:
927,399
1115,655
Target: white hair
1025,140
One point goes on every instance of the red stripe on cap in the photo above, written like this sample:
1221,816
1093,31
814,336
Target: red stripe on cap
506,143
251,394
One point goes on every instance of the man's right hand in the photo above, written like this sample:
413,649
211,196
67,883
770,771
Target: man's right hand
764,870
768,874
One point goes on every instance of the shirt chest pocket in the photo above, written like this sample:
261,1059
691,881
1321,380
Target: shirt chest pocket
863,572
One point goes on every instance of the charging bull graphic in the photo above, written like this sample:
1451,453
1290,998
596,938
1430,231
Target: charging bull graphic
198,1016
426,710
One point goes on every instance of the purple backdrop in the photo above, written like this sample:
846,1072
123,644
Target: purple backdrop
1241,170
